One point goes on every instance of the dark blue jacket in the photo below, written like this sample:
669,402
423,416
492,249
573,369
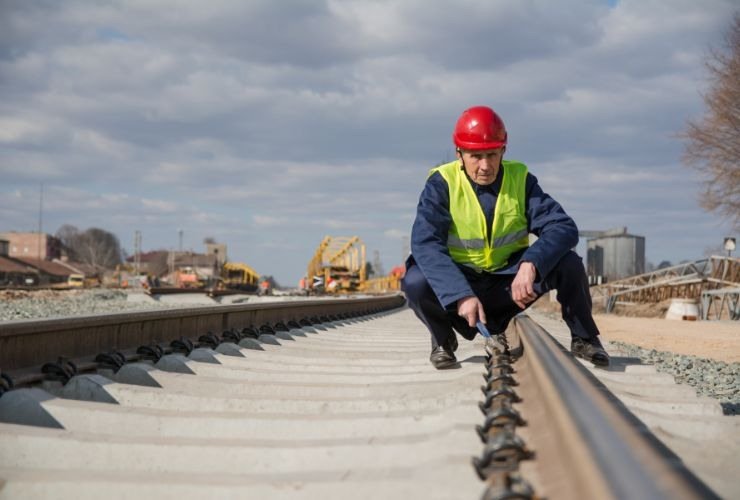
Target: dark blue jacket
556,232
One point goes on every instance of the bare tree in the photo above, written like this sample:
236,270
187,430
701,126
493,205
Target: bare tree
95,246
713,143
67,235
159,262
100,248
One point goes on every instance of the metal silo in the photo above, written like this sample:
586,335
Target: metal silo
615,254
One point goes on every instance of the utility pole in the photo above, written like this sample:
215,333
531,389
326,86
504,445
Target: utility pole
179,234
405,248
377,264
41,216
137,251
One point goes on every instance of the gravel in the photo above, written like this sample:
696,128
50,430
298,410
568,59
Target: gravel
20,305
715,379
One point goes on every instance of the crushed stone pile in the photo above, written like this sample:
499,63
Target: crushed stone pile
712,378
21,304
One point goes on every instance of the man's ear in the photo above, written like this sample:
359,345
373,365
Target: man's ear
458,153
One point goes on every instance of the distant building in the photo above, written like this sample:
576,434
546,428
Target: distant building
13,272
219,250
174,268
153,263
206,265
49,272
615,254
32,245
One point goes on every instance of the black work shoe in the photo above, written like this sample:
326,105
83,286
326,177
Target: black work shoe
442,357
590,350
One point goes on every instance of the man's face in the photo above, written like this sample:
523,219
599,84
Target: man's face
482,166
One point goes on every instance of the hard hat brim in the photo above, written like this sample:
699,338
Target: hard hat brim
477,146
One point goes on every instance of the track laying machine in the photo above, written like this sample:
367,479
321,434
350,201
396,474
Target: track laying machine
337,266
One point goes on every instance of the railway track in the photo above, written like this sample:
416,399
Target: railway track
317,399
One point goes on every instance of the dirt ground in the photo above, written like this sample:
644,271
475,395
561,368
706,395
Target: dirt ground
718,340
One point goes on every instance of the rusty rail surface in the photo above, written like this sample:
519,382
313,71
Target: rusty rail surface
29,343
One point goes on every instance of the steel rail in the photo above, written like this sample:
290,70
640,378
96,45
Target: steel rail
611,456
25,344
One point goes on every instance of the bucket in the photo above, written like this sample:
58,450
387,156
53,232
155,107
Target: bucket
683,309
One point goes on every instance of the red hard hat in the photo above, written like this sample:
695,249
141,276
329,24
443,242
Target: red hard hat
478,128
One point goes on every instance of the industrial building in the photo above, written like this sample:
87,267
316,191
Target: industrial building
614,254
39,246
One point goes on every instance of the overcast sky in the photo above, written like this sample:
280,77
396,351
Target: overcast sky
270,124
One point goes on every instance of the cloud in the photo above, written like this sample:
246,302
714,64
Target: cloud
15,130
395,233
268,124
269,221
161,206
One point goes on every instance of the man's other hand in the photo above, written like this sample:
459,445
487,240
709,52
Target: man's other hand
522,290
471,309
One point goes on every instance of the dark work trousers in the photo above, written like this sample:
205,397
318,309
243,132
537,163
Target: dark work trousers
494,291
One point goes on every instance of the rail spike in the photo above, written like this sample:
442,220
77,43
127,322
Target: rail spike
209,340
183,344
267,329
504,379
503,451
250,332
501,417
504,392
152,352
231,336
113,359
61,371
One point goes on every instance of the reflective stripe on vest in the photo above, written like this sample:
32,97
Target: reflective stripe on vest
468,238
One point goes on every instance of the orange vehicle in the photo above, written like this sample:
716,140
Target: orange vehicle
187,278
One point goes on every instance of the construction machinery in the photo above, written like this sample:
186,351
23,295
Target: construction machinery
187,277
76,280
337,266
385,284
239,276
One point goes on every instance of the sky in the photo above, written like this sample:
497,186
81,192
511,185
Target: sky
268,125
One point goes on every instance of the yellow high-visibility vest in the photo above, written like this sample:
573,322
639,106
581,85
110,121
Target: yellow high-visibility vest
468,240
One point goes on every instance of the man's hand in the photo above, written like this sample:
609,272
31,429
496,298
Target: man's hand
522,290
471,309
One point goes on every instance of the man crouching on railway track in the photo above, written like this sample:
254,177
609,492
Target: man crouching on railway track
470,255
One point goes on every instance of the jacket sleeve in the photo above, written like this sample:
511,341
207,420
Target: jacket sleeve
429,243
556,231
